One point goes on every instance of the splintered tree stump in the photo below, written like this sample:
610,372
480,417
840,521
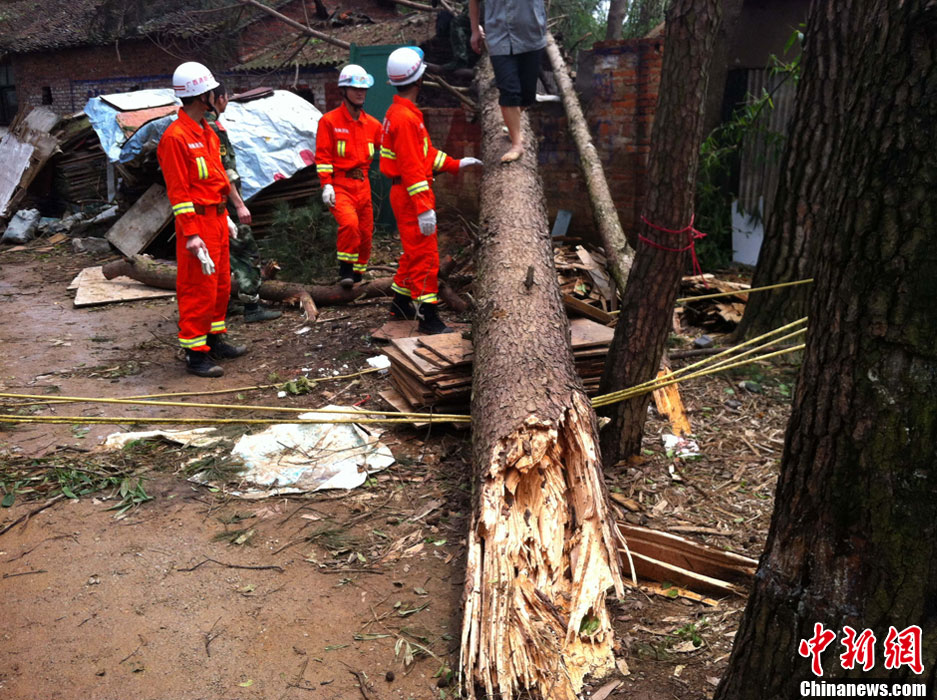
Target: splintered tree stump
542,545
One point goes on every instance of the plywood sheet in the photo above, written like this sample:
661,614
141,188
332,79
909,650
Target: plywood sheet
137,228
94,289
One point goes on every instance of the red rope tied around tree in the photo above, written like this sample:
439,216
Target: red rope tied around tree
691,232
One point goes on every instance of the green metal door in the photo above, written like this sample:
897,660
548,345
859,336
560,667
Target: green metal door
374,60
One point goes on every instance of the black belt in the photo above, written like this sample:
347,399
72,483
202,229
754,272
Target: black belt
219,208
353,174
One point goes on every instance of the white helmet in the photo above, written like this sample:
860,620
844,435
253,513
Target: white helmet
355,76
405,65
191,79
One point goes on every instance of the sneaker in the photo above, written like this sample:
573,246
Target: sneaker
221,350
201,365
401,308
346,275
254,313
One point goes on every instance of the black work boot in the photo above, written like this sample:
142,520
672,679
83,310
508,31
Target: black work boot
200,364
220,350
430,323
401,308
346,275
357,277
253,313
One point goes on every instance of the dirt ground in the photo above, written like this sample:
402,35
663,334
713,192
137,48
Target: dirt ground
195,594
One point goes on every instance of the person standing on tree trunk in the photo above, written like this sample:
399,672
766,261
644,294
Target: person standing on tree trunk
189,156
245,255
346,141
410,160
516,34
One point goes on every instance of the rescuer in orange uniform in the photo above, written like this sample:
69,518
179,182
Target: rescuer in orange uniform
198,187
346,140
409,160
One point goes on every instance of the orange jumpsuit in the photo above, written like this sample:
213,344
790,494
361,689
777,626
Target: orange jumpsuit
409,160
345,147
190,158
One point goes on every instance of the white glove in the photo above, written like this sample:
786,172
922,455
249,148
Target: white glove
469,162
328,196
232,229
208,265
427,221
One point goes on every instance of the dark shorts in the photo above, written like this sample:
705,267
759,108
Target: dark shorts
516,77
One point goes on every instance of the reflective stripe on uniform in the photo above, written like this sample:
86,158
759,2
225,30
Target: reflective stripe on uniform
387,153
218,327
427,299
183,208
324,168
440,160
189,343
371,149
202,168
417,187
425,145
347,257
340,148
359,267
400,290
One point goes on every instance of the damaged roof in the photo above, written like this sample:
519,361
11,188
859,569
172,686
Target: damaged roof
296,50
37,25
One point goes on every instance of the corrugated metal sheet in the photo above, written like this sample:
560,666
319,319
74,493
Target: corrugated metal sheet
761,153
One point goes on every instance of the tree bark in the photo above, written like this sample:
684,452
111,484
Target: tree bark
619,255
542,544
163,276
661,259
617,9
853,538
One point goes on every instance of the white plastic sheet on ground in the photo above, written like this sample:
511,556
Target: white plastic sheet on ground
273,137
196,437
299,458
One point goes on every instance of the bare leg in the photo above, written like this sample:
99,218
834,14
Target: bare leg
512,120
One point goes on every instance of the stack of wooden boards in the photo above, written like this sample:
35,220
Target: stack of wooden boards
436,370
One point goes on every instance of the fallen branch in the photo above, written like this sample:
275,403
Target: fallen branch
274,567
618,253
163,276
309,31
27,516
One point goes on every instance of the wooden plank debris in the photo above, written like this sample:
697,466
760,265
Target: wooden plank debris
24,150
94,289
661,556
431,369
142,223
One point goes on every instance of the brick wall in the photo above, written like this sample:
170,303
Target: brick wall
618,84
102,70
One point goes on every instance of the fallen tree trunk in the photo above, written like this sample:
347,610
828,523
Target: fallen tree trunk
163,276
618,253
542,546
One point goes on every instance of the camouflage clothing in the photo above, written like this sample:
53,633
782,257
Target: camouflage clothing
245,255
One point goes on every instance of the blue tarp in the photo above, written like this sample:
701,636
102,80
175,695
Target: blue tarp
273,137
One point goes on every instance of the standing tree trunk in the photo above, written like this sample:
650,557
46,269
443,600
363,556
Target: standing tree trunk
660,261
617,9
541,546
786,253
853,539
